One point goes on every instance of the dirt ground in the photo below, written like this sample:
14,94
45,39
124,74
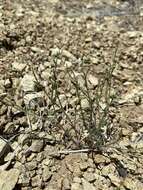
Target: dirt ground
88,36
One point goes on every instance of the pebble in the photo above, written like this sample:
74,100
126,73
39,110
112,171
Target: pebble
18,66
76,186
84,166
66,184
8,83
37,146
36,181
87,185
28,83
31,165
8,179
90,177
47,174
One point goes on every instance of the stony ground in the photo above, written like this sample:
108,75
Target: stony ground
88,36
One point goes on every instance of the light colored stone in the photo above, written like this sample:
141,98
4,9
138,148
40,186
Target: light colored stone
93,80
68,64
84,103
33,99
31,165
37,49
28,83
47,161
133,184
66,184
90,177
37,146
87,185
67,54
102,183
46,174
8,83
8,179
77,180
76,186
98,158
84,166
55,51
3,110
115,179
18,66
36,181
108,169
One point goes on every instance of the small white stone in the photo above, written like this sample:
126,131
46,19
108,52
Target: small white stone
28,83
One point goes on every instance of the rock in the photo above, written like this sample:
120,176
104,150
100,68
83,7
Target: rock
2,95
98,158
37,146
49,138
47,162
23,138
47,174
84,103
84,166
77,180
90,177
18,66
93,80
89,39
3,147
40,157
28,83
3,109
102,182
55,51
31,157
8,179
141,11
24,179
76,186
133,34
8,83
115,179
66,184
106,170
68,64
68,55
87,185
36,50
110,171
133,184
10,128
31,165
36,181
34,99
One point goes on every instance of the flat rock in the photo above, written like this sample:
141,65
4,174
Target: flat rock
28,83
37,146
47,174
98,158
76,186
133,184
8,179
87,185
90,177
33,99
93,80
18,66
